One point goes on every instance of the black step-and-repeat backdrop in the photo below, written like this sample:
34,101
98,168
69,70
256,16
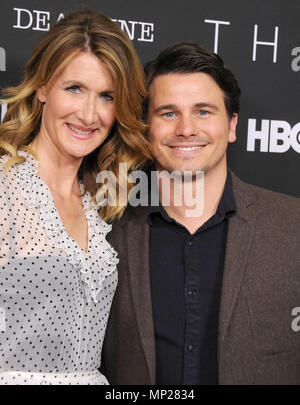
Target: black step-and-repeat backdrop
259,41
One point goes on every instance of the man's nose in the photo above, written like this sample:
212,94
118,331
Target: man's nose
186,126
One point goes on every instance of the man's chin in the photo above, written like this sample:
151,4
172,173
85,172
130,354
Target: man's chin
186,171
185,174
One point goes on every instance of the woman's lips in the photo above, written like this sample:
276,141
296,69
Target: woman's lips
80,132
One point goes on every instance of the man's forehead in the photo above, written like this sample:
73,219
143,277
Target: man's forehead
174,77
175,85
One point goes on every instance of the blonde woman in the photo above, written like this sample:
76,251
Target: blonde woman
77,112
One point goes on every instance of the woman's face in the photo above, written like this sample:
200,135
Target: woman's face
78,112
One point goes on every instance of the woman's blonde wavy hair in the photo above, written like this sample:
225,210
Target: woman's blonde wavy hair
83,31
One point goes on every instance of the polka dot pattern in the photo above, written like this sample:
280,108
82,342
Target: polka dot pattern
54,297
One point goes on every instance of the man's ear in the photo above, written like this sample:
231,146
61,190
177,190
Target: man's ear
41,94
232,128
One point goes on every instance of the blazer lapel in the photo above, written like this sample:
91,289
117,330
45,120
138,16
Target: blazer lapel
240,232
139,274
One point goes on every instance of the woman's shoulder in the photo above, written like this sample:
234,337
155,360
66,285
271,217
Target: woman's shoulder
3,159
3,162
7,172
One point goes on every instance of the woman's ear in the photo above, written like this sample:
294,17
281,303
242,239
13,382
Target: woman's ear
41,94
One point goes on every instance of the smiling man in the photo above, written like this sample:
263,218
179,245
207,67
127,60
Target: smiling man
189,129
204,299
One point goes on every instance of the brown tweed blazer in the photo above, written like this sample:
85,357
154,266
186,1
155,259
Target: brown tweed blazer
261,286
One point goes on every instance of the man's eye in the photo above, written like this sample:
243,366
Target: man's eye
73,89
203,113
168,114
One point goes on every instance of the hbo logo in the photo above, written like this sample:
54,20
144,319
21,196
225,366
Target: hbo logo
272,136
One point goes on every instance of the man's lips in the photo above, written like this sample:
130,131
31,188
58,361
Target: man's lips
187,148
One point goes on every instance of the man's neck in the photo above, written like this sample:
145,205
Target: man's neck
193,217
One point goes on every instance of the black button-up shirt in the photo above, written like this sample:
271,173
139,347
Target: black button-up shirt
186,277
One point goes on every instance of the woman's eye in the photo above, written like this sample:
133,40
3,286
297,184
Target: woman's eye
73,89
107,97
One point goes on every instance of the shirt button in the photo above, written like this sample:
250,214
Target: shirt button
191,348
190,292
190,243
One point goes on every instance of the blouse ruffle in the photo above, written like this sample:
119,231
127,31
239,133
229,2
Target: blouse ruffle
37,195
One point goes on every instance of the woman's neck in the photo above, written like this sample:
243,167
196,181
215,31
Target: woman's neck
57,171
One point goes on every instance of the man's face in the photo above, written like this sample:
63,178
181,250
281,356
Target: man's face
189,128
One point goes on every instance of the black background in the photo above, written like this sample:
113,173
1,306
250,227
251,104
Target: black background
270,90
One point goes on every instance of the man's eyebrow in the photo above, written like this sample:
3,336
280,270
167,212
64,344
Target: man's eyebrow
209,105
173,106
164,107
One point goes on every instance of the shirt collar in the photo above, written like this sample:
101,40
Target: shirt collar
226,207
227,204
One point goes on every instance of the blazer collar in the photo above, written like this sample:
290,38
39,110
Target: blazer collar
240,233
139,273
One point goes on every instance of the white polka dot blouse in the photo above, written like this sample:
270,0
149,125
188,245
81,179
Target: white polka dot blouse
54,297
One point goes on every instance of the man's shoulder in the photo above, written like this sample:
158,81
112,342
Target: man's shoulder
130,230
132,214
134,217
264,200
